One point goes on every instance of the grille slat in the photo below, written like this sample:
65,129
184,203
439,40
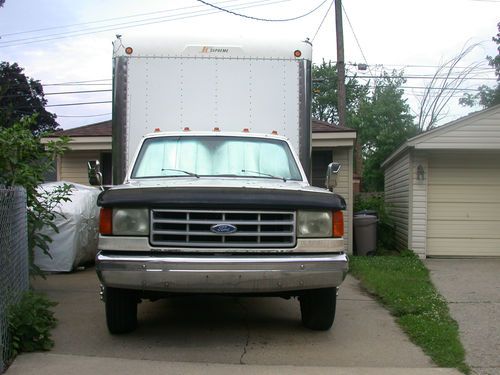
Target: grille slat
191,228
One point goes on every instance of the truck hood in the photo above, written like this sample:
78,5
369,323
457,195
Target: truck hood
224,182
207,192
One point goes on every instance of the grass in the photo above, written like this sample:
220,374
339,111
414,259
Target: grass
403,285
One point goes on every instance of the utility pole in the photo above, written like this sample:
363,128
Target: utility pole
340,63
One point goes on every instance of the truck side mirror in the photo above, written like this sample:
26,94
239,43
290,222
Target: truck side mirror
331,175
94,173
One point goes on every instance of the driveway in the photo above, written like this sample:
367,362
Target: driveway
220,331
472,289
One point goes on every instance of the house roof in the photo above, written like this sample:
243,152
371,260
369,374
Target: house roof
319,126
100,129
104,129
477,131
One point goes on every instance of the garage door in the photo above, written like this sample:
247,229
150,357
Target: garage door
463,206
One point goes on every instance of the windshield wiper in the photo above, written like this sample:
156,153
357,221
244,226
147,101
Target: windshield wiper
264,174
180,170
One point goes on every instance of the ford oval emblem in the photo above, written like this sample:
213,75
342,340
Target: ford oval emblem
223,228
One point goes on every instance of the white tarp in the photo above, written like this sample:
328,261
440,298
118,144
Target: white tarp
76,242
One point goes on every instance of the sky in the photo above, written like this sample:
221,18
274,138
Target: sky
63,42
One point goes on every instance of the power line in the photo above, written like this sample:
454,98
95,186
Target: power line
356,38
163,19
105,20
79,82
77,92
102,114
323,20
426,77
81,103
258,18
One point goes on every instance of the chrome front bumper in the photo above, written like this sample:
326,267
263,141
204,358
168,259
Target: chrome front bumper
222,274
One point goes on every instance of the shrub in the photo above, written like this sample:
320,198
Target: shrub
30,322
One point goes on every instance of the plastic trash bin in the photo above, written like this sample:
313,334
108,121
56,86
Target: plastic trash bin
365,234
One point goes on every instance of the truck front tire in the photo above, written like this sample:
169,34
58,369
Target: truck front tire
121,310
317,307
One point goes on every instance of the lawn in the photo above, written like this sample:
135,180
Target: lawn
403,285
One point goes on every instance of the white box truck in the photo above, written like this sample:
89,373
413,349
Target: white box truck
212,153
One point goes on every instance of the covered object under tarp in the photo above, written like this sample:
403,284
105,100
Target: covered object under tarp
77,221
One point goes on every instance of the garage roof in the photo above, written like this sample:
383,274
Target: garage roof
477,131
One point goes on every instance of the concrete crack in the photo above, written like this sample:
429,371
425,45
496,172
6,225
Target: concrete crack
247,327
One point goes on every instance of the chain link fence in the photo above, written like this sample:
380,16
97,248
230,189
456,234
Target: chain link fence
14,268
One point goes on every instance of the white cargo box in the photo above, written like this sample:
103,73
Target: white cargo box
226,84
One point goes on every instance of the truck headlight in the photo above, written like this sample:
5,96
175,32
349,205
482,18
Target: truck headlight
130,222
314,224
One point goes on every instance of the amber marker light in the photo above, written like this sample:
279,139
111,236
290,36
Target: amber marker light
106,221
338,224
129,50
216,129
246,130
186,129
274,132
297,53
157,130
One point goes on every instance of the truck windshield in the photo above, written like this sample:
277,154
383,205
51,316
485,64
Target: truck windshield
215,156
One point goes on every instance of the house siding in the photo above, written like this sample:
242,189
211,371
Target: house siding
418,206
344,156
464,204
73,166
397,197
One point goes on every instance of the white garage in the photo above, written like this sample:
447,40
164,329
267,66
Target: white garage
443,188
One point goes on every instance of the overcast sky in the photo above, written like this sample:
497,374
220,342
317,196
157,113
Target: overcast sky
60,41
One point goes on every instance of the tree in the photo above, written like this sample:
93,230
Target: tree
487,96
324,100
380,115
384,123
24,162
22,97
442,87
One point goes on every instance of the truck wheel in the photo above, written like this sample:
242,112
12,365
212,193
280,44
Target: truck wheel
317,307
121,310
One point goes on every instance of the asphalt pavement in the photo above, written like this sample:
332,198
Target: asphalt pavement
220,335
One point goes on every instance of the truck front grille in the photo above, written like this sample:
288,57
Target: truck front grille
195,228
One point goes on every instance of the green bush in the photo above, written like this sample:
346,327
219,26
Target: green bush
25,165
30,322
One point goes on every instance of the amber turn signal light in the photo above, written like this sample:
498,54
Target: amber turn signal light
106,221
338,224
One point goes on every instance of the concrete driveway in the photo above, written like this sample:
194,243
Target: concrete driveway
472,289
203,333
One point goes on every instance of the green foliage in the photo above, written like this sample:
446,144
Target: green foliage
25,162
384,124
22,97
487,96
381,116
30,322
324,99
403,285
385,227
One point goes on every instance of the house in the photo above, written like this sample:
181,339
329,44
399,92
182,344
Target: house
443,188
329,142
